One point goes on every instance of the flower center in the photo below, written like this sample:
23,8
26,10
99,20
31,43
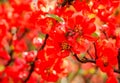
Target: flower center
65,46
105,61
78,29
50,71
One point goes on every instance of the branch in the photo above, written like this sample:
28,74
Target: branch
118,58
66,2
12,50
84,60
11,58
33,63
117,71
30,72
46,37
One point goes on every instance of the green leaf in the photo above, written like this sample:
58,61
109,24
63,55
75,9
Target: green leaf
81,55
81,71
95,34
59,19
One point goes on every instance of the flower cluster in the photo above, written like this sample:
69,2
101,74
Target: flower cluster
35,39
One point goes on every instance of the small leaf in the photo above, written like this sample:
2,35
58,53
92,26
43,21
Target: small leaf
95,34
59,19
81,55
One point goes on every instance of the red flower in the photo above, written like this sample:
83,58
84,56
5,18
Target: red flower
81,25
46,24
48,67
41,2
19,46
4,55
104,65
109,29
13,73
58,45
107,56
21,5
29,56
112,79
81,5
5,79
78,31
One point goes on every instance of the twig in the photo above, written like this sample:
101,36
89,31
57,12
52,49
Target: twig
84,60
95,51
89,54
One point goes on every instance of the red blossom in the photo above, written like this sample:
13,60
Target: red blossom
81,5
111,79
90,27
19,46
4,55
107,56
47,67
21,5
46,22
